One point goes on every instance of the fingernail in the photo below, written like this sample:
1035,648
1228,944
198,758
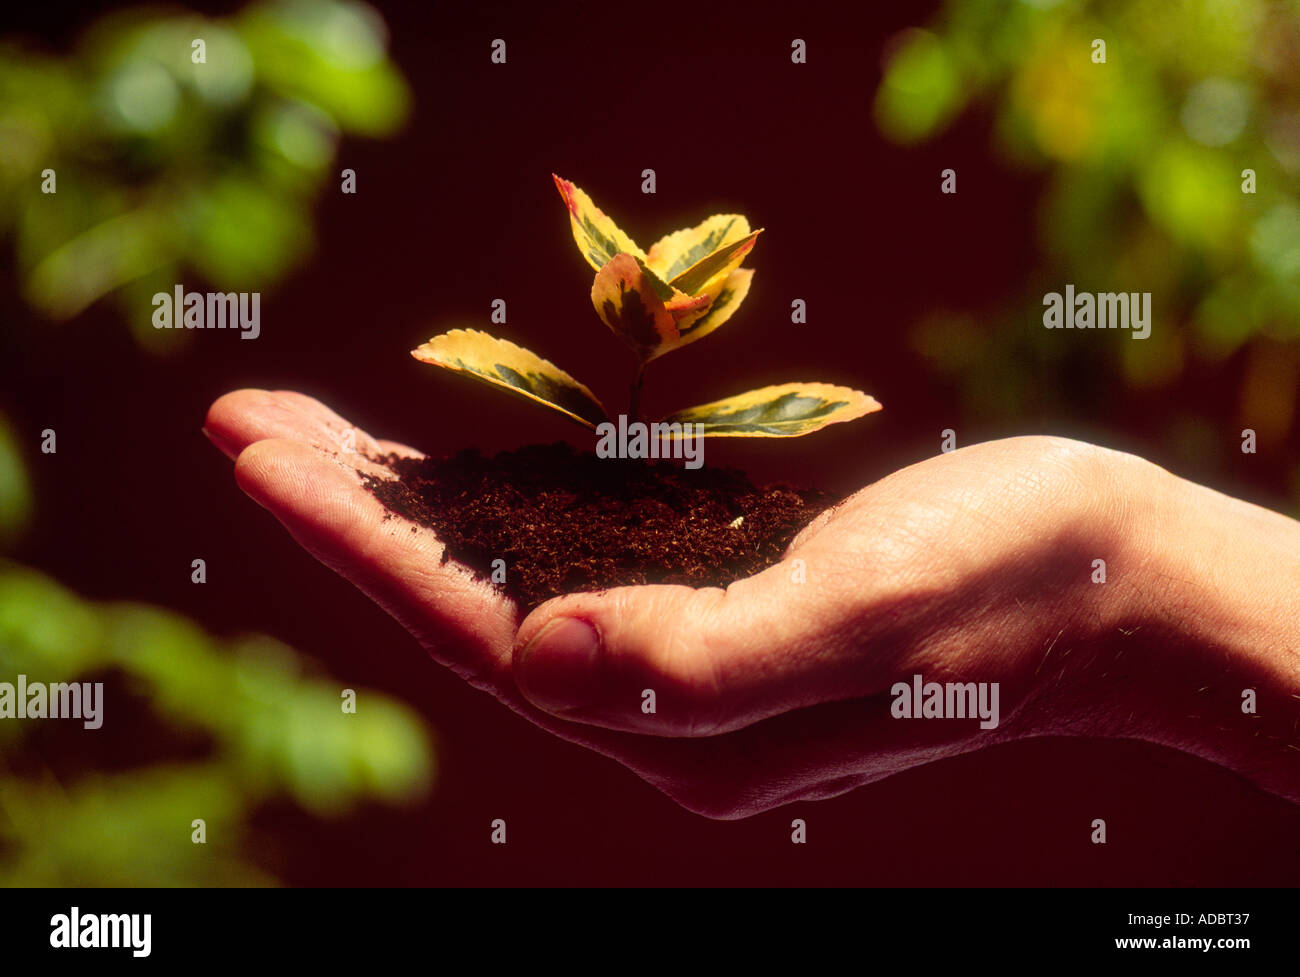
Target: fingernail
224,446
560,669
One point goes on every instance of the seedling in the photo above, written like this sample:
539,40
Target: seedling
685,287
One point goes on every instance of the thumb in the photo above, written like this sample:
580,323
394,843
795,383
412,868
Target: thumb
675,661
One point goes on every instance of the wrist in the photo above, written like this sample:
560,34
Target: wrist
1203,619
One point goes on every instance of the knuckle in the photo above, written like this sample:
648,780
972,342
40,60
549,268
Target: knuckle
681,664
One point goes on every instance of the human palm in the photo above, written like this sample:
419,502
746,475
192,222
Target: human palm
968,566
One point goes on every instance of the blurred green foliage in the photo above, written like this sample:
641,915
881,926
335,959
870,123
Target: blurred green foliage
15,490
266,728
1143,158
165,167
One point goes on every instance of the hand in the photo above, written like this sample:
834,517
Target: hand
974,566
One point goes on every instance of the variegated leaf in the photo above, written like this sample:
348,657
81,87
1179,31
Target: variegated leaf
626,301
503,364
670,296
677,302
782,411
598,237
714,268
673,254
686,307
731,293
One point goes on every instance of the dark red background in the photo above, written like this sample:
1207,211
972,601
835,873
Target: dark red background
460,210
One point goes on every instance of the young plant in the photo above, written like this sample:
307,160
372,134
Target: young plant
685,287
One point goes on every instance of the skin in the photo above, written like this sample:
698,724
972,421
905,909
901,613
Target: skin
971,566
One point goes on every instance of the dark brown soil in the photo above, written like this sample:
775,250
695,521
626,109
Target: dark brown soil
564,521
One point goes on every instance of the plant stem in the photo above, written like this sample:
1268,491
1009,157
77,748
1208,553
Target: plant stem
634,407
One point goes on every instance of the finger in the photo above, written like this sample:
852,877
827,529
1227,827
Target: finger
321,500
238,419
707,660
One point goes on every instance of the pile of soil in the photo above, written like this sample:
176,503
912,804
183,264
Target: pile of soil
565,521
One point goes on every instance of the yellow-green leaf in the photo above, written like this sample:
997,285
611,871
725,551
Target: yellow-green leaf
670,296
503,364
626,301
673,254
782,411
731,293
714,267
686,307
599,238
